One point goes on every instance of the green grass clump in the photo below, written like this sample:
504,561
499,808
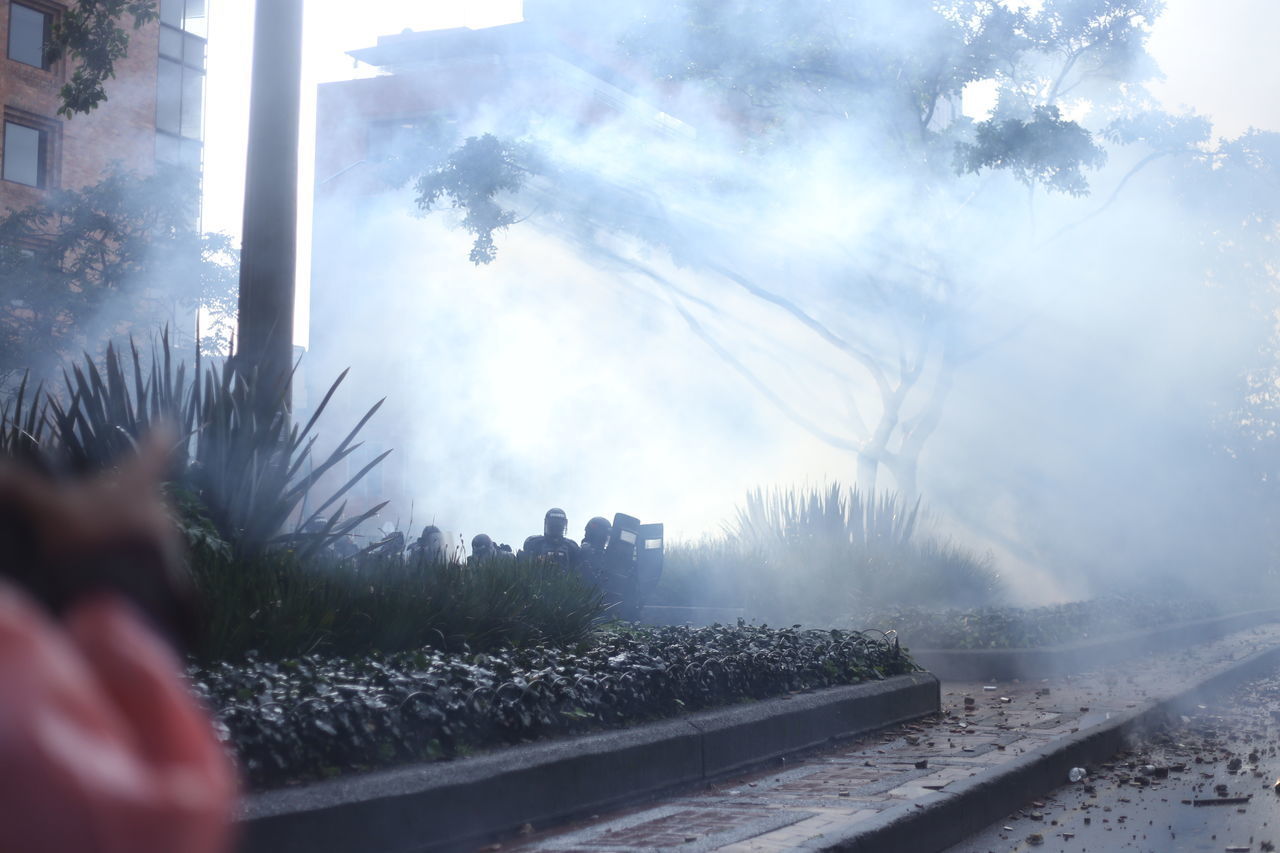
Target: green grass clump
277,605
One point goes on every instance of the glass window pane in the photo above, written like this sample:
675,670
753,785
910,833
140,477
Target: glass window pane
170,43
21,154
195,51
192,103
191,154
196,22
27,31
169,96
171,13
168,148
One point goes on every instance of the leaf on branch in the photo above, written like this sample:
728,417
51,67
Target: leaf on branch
471,179
89,33
1047,150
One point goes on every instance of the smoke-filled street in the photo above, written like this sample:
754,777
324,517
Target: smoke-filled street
839,798
705,425
1206,780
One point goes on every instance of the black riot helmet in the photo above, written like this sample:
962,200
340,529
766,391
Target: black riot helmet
482,545
597,532
555,523
431,537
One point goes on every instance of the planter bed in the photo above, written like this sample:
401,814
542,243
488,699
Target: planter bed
444,806
314,717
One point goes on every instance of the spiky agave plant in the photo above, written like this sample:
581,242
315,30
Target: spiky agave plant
813,546
251,474
831,551
23,426
254,472
106,408
832,516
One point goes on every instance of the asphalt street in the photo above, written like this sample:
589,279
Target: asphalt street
1203,781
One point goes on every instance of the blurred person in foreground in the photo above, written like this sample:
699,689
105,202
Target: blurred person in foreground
102,746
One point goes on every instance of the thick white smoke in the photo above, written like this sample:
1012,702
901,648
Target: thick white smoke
592,367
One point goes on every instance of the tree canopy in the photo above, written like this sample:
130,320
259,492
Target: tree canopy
121,255
828,136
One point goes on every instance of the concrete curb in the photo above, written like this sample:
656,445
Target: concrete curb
1003,664
458,804
939,820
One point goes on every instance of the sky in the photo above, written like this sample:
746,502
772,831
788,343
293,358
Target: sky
1217,55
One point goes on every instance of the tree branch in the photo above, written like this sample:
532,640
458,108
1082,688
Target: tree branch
733,361
1115,193
861,357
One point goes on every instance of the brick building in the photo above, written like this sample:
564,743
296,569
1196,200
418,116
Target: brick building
153,112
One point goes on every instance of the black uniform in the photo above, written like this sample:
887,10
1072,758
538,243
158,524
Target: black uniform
595,537
552,548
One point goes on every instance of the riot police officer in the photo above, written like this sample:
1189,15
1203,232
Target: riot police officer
594,539
482,548
552,548
430,545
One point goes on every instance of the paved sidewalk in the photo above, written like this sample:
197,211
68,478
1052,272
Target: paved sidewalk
1220,753
826,794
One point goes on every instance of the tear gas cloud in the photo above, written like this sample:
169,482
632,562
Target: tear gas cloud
689,305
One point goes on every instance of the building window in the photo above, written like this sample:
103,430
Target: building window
180,82
413,139
29,34
186,15
24,155
29,155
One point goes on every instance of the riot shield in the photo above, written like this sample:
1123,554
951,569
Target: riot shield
623,537
619,581
649,553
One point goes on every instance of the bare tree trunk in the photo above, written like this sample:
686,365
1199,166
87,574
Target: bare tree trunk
905,463
904,470
868,471
269,241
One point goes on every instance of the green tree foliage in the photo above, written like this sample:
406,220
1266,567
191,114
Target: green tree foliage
117,256
89,33
1046,150
471,178
885,69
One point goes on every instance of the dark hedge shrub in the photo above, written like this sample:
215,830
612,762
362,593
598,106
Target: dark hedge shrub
314,716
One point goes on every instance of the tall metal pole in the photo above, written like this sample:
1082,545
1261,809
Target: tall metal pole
269,243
